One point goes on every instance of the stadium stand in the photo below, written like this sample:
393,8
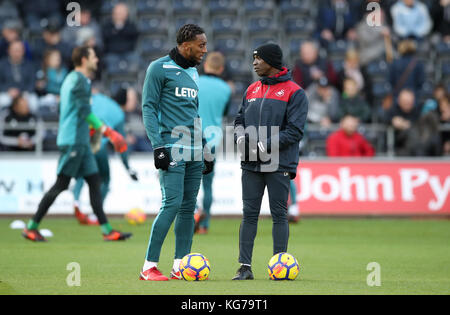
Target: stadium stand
235,27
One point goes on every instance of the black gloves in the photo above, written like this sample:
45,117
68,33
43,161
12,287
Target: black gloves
208,158
250,150
209,167
162,159
133,175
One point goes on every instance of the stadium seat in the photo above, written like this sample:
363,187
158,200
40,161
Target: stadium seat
381,89
258,41
378,69
48,113
49,142
239,66
337,49
153,7
426,91
443,51
446,69
241,84
187,19
261,24
338,64
299,25
107,6
7,11
153,46
156,24
294,45
187,7
229,45
298,7
122,65
226,24
116,85
259,6
430,69
223,7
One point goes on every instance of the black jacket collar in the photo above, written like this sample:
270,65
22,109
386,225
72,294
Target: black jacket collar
180,60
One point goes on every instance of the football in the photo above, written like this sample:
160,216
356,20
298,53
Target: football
195,267
283,266
135,216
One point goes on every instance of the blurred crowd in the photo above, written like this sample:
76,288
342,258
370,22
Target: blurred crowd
359,67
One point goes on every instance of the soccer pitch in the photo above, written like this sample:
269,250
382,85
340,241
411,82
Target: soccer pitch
413,255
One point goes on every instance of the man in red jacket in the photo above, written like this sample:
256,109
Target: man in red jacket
348,142
268,129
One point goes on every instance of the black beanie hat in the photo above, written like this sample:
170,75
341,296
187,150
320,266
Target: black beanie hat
121,96
271,54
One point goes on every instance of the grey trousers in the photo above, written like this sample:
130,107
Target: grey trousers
253,186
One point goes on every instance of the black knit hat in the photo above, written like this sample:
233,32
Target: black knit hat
121,96
271,54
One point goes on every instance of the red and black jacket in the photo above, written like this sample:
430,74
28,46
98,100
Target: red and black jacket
275,101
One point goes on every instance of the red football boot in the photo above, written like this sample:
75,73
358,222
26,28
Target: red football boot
33,235
199,215
116,236
175,275
82,218
152,274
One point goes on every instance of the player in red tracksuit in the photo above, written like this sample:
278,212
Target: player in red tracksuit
348,142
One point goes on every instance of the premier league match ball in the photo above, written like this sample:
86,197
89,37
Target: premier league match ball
283,266
135,216
195,267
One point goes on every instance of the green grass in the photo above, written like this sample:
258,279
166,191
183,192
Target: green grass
414,258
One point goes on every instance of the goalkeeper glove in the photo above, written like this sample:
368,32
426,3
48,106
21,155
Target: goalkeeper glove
118,141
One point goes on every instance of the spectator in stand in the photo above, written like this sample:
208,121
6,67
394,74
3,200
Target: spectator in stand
444,117
17,75
53,72
12,32
374,43
120,37
323,103
348,142
402,117
407,71
51,40
432,104
336,20
411,18
424,138
120,34
352,70
12,136
87,37
310,67
352,103
441,16
73,34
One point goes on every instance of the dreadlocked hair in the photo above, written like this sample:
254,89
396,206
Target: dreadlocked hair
188,33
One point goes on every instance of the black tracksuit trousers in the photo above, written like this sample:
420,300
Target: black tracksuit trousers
253,186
